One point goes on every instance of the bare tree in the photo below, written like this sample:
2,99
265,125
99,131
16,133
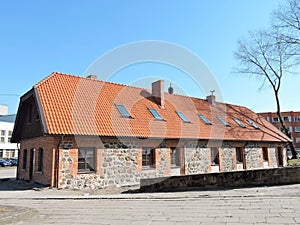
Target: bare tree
271,54
287,21
266,56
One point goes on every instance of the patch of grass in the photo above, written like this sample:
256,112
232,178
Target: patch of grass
294,162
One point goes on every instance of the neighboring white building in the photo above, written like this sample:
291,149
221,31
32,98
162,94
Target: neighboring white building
7,149
3,110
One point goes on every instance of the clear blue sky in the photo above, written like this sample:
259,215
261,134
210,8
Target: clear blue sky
40,37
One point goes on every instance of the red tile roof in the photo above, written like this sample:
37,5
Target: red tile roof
82,106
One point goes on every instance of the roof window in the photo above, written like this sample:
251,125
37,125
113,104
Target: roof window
223,121
123,111
253,124
183,117
239,122
205,120
155,114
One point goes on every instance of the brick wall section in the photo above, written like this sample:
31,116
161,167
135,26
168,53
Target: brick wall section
47,175
275,176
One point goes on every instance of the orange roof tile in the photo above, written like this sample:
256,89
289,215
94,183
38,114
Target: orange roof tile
82,106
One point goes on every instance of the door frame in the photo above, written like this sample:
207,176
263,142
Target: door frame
31,164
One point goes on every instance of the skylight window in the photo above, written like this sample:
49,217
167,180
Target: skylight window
223,121
253,124
239,122
183,117
205,120
123,111
155,114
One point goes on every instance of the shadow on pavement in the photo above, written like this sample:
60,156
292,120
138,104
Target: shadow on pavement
11,184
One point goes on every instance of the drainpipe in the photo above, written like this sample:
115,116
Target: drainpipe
57,162
17,175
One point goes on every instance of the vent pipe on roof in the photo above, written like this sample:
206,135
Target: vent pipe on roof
211,99
170,90
158,92
92,77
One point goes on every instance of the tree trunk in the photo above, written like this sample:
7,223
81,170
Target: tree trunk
284,128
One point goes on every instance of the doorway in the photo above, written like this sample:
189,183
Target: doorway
279,156
31,163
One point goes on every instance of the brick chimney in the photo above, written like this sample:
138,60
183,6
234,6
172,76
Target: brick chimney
92,77
211,99
158,93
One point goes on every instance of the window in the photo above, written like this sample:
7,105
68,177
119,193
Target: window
40,161
297,129
268,118
287,119
205,120
265,153
183,117
297,118
214,156
2,136
155,114
298,140
175,157
148,157
86,159
239,122
239,155
24,159
9,135
123,111
253,124
223,121
275,119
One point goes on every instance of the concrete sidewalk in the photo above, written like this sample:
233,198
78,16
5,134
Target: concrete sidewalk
259,205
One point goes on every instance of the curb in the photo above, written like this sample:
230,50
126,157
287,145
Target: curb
17,214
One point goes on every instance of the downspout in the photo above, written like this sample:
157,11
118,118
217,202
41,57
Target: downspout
57,156
17,175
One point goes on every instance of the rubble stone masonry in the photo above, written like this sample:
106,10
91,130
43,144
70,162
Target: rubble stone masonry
119,163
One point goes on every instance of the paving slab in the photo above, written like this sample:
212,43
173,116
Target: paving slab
256,205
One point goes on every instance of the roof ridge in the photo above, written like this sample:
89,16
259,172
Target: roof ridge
126,85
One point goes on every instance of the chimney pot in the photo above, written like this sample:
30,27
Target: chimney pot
211,99
92,77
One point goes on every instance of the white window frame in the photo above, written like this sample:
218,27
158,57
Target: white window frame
297,129
2,136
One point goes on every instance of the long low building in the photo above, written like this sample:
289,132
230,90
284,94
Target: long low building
77,132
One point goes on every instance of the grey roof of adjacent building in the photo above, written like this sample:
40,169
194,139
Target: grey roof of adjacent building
8,118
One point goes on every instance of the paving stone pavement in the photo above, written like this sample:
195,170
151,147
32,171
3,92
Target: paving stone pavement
263,205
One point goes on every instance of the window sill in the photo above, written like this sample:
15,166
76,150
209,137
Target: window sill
86,172
148,168
174,166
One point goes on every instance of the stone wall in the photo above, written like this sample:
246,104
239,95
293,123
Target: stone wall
120,163
162,164
197,158
265,177
253,156
273,162
227,159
